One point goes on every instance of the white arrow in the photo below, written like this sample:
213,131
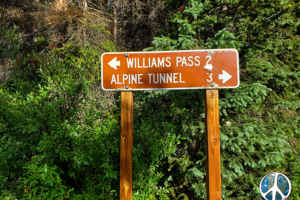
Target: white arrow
225,76
114,63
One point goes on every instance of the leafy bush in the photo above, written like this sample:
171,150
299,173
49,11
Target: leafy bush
59,139
264,110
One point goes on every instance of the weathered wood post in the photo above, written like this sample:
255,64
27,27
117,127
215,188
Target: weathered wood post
126,146
213,158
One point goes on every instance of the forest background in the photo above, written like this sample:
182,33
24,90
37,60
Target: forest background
60,132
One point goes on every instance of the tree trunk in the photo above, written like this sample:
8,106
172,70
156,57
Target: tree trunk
115,24
84,6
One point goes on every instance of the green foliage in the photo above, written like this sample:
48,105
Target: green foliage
52,134
43,182
71,54
264,109
224,39
11,39
165,43
108,46
58,140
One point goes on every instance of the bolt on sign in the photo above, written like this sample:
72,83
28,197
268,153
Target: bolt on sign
167,70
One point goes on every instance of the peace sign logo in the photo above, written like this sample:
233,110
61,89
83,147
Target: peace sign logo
275,186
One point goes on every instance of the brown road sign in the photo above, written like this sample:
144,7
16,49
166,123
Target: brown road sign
167,70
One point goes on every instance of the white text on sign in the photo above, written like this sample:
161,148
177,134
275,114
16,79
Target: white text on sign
162,62
164,70
155,78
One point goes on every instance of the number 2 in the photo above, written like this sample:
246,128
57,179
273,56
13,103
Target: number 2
209,58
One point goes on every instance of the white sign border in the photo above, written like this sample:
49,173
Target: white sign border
177,88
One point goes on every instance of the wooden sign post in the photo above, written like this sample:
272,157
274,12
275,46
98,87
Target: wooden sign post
126,145
212,133
209,69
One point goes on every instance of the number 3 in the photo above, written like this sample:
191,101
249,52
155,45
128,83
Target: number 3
210,76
